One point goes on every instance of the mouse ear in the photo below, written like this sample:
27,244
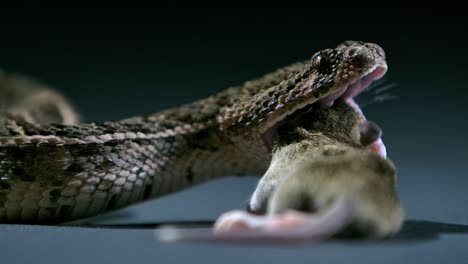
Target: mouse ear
369,132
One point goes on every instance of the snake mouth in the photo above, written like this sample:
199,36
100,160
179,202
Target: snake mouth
346,92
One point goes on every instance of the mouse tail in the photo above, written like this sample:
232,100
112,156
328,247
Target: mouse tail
291,226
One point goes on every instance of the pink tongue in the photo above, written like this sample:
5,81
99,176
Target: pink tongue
359,86
329,100
349,92
353,90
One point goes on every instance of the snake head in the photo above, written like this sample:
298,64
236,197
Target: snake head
265,104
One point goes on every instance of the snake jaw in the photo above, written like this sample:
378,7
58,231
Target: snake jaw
346,91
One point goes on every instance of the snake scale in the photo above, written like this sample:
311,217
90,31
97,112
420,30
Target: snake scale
54,168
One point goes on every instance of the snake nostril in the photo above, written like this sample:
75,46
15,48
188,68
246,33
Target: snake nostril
376,49
380,51
352,52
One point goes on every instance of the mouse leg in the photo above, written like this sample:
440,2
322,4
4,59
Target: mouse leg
265,188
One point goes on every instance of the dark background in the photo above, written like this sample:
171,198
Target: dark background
117,63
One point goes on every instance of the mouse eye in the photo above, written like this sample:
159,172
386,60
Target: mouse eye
321,63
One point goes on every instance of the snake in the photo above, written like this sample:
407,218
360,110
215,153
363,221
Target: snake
54,168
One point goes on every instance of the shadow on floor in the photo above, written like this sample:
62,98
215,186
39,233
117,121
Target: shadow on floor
416,230
412,231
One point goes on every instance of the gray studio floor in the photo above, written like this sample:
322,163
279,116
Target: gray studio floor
436,231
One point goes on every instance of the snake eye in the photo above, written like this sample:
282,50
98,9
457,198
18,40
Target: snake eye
321,63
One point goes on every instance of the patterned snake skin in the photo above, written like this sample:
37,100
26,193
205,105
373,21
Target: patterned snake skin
55,169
